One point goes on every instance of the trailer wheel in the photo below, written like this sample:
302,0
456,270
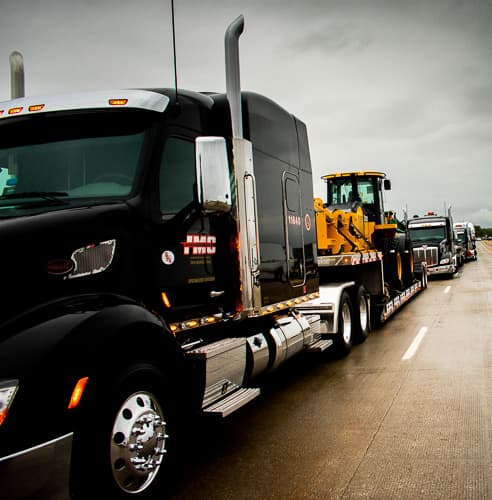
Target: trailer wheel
362,322
122,449
343,339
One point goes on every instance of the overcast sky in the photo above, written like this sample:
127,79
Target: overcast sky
398,86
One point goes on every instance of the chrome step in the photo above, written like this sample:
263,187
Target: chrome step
320,345
233,402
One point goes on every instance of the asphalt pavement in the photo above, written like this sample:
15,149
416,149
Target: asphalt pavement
407,415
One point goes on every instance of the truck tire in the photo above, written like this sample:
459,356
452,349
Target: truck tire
362,320
343,339
461,259
122,449
454,269
425,277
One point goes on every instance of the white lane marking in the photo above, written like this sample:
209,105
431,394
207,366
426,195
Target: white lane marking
446,290
415,344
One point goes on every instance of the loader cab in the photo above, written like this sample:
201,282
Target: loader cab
347,191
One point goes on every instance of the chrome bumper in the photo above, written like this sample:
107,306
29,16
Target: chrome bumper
41,472
447,269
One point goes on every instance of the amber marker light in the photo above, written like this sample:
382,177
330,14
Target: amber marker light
165,299
118,102
77,393
36,107
15,111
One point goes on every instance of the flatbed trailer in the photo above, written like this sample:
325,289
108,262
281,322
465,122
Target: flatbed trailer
347,319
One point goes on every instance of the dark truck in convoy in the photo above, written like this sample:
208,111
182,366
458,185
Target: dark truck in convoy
465,234
434,243
158,247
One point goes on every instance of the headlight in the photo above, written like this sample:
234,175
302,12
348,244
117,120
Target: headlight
8,388
444,261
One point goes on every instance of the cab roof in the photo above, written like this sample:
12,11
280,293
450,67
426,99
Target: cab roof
122,98
364,173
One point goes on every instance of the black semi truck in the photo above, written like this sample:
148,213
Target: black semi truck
158,248
434,243
132,225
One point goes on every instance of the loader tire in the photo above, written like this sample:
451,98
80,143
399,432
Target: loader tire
407,263
392,264
376,311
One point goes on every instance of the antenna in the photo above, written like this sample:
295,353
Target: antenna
174,52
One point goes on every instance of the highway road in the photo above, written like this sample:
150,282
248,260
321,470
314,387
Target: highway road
407,415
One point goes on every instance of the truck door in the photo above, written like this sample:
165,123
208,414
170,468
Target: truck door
192,250
293,222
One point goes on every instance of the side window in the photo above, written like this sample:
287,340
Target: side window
366,191
292,195
294,237
177,175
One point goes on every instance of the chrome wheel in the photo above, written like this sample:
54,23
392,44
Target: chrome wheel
347,323
363,314
138,442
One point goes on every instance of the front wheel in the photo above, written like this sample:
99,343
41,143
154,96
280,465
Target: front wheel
425,277
138,442
124,436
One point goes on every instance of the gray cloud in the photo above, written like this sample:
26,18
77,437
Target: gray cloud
393,85
330,37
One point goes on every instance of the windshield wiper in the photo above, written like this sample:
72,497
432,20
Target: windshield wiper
45,195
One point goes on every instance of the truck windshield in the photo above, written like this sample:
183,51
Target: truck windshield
461,237
435,234
50,161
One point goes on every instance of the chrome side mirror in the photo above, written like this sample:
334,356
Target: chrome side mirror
212,174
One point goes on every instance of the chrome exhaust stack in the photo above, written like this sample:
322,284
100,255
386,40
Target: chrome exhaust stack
16,75
233,80
245,184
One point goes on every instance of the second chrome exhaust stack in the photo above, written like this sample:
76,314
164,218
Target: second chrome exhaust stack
16,75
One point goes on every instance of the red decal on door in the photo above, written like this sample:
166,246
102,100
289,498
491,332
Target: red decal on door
199,244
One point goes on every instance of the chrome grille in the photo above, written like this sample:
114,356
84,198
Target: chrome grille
426,254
